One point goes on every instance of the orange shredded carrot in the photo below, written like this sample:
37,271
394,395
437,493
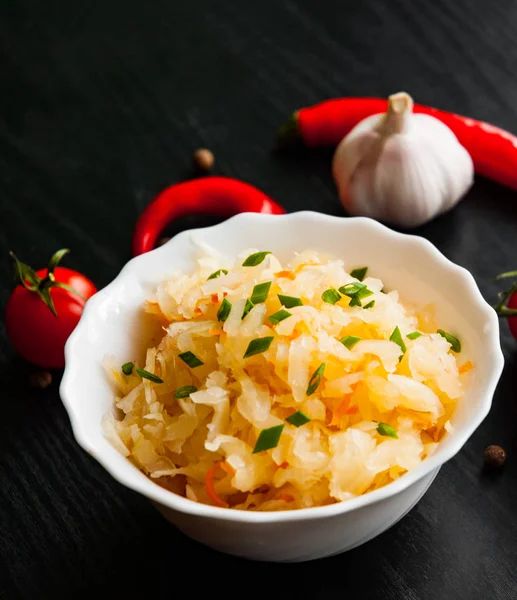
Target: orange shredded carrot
209,484
434,433
228,468
215,331
214,298
465,367
283,465
339,411
197,311
285,497
352,410
301,266
286,274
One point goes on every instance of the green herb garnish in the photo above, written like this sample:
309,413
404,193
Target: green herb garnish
350,289
387,430
279,316
359,273
331,296
363,293
397,338
298,419
453,341
224,310
355,301
315,380
356,292
247,308
370,304
268,438
258,345
414,335
350,341
146,375
185,391
127,368
289,301
260,292
255,259
218,274
191,359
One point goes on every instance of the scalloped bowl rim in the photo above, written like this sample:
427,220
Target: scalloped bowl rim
154,492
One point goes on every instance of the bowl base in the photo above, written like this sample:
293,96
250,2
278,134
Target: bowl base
338,534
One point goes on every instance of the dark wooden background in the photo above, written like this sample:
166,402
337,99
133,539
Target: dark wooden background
101,104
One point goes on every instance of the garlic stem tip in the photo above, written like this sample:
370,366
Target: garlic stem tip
400,103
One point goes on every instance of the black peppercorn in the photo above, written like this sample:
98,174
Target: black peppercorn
203,159
495,457
40,379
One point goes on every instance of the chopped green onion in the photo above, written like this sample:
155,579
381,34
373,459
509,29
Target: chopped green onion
185,391
255,259
191,359
218,274
350,341
315,380
453,341
289,301
331,296
356,298
363,293
350,289
258,345
370,304
359,273
127,368
146,375
260,292
224,310
279,316
247,308
355,291
414,335
387,430
355,301
397,338
268,438
298,419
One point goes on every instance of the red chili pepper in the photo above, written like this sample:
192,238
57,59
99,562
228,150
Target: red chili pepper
220,196
493,150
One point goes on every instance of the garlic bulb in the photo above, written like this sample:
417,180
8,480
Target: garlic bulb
400,167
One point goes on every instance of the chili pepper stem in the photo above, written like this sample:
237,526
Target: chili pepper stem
288,135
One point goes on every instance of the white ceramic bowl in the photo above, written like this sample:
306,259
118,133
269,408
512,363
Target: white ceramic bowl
112,323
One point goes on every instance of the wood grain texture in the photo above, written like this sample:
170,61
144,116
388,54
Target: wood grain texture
101,104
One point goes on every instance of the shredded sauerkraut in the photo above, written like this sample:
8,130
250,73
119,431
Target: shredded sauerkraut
337,400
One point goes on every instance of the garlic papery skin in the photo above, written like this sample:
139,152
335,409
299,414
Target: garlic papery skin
401,168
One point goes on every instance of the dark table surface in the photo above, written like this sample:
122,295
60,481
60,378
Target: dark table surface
101,105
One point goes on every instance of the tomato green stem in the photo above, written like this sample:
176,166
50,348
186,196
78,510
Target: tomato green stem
506,312
27,277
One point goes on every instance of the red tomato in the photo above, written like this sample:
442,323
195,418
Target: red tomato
34,331
512,321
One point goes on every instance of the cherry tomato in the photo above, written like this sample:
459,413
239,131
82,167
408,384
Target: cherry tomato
512,321
35,332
